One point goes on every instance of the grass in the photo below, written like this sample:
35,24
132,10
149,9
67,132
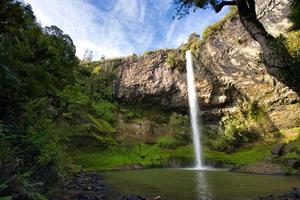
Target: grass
168,141
5,198
242,157
94,159
149,156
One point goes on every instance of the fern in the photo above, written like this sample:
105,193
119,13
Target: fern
101,125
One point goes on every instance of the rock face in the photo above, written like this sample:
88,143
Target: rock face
292,195
232,56
228,72
147,79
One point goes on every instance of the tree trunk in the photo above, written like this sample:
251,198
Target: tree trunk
275,55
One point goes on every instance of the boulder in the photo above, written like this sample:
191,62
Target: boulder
278,149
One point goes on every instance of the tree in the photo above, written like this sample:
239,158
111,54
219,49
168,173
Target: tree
88,56
279,62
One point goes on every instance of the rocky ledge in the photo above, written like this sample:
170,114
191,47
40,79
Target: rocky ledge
292,195
90,186
84,186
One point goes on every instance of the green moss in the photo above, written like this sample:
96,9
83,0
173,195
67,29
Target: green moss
246,125
212,29
180,126
292,42
182,152
95,159
243,156
154,113
175,59
168,141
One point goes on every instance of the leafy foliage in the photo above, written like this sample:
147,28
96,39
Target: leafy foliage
175,60
180,125
184,7
247,125
292,42
46,98
168,141
193,44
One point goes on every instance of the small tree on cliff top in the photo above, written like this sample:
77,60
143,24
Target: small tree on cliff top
279,62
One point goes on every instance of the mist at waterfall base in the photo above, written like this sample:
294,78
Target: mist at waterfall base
194,108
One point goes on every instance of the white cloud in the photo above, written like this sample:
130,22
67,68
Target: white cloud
126,27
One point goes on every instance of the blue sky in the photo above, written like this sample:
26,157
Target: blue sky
121,27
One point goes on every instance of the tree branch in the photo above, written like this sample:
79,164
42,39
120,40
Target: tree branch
218,7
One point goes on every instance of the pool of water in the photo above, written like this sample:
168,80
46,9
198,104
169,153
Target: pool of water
179,184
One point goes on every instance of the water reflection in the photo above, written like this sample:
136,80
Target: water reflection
196,185
202,187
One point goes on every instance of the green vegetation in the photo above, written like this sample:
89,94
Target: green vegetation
292,42
247,125
36,65
175,59
194,42
245,155
147,156
57,116
46,99
214,28
180,126
118,157
168,141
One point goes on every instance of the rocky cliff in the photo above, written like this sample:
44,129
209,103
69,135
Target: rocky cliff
228,72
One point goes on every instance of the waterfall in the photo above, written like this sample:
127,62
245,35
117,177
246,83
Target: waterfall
193,103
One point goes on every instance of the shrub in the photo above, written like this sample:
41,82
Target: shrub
180,126
247,125
105,110
193,44
175,60
97,70
168,142
292,42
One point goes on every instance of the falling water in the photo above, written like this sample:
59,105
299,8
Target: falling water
193,102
